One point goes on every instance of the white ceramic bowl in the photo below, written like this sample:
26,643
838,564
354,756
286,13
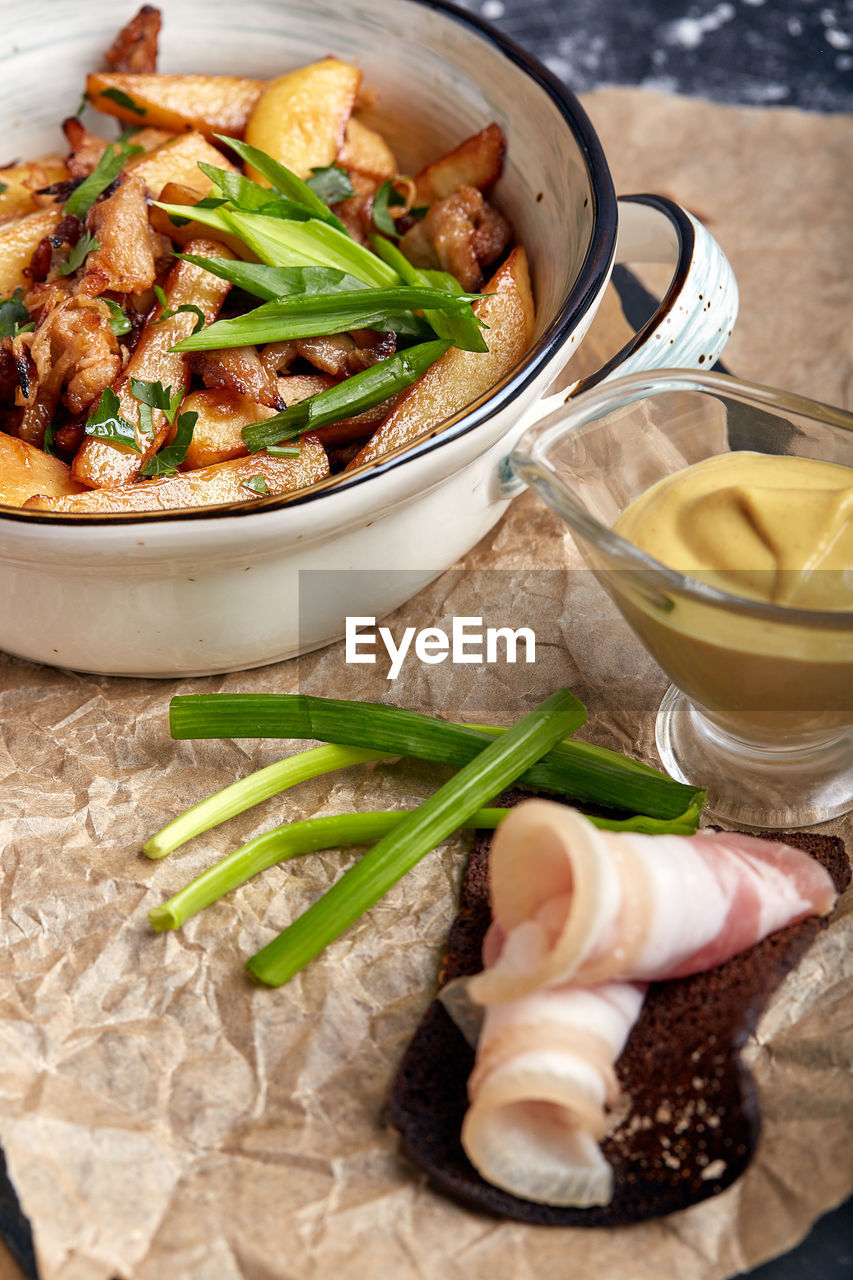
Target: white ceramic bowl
201,592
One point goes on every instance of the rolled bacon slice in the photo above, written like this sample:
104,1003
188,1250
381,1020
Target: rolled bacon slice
574,904
543,1077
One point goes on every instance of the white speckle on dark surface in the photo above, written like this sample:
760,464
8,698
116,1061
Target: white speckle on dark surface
777,52
689,32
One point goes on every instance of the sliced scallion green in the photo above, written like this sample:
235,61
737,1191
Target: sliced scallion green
285,842
252,790
316,243
282,179
352,396
269,282
498,764
465,330
586,773
315,315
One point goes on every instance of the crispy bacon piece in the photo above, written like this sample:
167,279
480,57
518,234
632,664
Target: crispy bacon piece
75,345
461,234
237,369
124,261
135,47
86,148
342,354
277,357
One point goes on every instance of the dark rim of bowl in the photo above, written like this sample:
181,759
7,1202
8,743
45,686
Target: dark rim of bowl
589,282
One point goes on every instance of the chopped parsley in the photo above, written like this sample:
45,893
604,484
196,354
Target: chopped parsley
84,246
48,443
386,196
106,423
257,484
105,172
153,395
122,99
331,183
14,317
168,311
118,321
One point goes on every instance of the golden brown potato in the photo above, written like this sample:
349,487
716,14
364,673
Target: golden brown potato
225,482
26,470
208,104
476,162
177,161
101,464
222,414
21,181
18,242
460,377
301,117
367,152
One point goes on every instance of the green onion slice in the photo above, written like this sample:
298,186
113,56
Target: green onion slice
292,839
465,330
498,764
318,314
105,171
352,396
252,790
269,282
587,773
283,180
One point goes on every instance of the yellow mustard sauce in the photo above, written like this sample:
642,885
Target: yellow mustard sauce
753,524
761,528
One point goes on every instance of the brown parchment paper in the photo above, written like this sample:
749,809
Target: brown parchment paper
165,1120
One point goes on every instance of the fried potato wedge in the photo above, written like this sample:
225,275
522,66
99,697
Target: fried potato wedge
367,152
207,104
225,482
18,242
21,181
100,464
300,118
26,470
476,162
177,161
460,377
222,414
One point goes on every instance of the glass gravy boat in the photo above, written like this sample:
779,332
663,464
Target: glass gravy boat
760,710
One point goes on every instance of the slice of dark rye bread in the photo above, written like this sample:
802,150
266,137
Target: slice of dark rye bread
692,1122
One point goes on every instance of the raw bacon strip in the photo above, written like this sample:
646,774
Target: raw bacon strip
571,903
538,1092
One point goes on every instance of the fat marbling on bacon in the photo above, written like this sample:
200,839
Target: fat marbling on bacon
582,920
